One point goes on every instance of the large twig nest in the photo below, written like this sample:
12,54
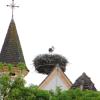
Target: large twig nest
45,63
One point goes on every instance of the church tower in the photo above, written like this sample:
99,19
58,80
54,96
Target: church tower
11,52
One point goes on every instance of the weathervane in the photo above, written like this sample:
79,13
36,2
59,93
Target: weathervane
12,5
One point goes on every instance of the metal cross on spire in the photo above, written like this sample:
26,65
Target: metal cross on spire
12,5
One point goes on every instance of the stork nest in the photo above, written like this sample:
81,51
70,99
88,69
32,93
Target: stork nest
45,63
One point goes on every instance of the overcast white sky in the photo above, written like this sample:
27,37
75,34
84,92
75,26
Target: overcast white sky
71,26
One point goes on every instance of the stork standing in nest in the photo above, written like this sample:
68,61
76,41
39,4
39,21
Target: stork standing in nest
51,49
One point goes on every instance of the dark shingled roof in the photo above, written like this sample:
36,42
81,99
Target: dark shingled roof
11,50
84,82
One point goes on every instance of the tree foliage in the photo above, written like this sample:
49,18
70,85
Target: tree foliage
16,90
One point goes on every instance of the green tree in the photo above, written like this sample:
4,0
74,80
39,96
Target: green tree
42,95
21,66
16,90
1,65
5,84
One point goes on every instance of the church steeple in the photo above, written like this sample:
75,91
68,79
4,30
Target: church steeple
11,50
11,55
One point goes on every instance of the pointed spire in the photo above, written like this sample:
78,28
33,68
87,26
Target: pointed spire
84,82
11,50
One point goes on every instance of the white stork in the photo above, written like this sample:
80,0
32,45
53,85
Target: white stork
51,49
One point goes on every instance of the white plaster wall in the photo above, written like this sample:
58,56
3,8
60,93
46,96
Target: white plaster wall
55,82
